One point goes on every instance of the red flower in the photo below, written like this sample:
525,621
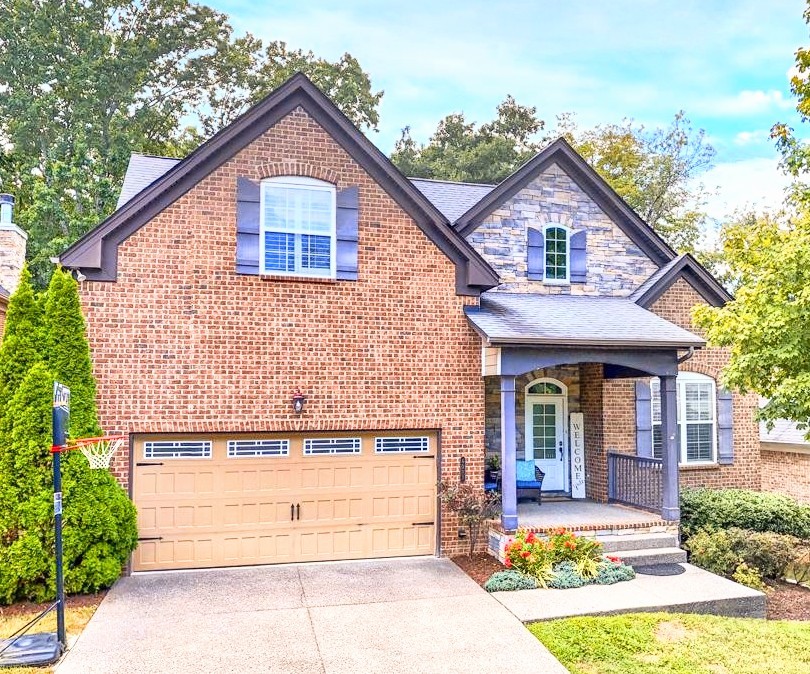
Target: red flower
559,531
525,554
531,537
570,545
508,563
615,560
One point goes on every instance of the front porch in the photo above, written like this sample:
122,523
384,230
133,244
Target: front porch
585,515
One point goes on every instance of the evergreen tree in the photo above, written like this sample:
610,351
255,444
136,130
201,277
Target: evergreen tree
67,353
21,347
99,520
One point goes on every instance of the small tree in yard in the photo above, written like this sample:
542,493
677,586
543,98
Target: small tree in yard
99,519
472,505
67,353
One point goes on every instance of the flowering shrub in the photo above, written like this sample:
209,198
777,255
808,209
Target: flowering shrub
564,560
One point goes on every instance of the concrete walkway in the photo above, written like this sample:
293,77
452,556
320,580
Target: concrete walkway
409,615
693,590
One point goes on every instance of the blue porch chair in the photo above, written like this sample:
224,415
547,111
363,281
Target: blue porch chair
529,478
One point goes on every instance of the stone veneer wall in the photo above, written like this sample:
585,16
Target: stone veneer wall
568,375
616,266
12,258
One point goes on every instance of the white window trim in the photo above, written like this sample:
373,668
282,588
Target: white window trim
682,379
557,281
298,182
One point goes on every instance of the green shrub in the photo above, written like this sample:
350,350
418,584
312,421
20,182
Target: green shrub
610,573
714,509
472,505
745,575
566,577
509,580
722,552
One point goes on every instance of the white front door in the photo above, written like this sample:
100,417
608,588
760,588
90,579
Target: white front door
545,439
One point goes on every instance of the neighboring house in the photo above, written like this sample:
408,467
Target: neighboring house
785,455
12,255
300,342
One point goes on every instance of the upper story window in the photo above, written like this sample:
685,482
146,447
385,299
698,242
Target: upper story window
697,418
557,249
297,227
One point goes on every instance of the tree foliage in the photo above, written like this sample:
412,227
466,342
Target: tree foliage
21,347
765,326
653,171
99,520
67,353
85,84
463,151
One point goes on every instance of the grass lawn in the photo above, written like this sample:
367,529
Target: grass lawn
76,617
656,643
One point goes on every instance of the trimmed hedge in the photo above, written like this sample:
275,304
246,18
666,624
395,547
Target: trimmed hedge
715,509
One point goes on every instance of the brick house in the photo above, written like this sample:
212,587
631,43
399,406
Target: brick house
12,255
300,342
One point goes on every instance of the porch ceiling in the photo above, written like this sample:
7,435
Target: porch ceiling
566,320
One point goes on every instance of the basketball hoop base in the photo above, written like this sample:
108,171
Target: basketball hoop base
30,650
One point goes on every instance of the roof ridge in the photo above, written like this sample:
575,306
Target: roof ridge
452,182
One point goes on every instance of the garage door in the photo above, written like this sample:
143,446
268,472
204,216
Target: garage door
229,500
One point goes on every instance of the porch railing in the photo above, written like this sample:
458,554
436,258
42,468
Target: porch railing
635,481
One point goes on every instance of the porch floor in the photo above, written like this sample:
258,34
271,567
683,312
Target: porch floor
583,514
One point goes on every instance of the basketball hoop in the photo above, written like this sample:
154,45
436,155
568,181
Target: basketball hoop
99,451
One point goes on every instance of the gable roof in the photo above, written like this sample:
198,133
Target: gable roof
452,199
4,294
573,320
561,153
96,253
683,266
783,432
142,171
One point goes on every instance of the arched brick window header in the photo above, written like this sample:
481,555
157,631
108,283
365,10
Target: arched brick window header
294,167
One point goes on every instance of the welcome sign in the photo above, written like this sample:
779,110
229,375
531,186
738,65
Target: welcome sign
577,455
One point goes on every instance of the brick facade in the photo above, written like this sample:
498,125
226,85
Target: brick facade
786,470
180,342
615,265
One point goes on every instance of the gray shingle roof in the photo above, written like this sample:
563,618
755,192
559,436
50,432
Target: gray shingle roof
783,431
4,292
142,171
655,277
452,199
566,320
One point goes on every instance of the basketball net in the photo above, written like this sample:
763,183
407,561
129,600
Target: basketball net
99,451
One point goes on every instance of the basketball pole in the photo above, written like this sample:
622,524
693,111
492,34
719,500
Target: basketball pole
60,422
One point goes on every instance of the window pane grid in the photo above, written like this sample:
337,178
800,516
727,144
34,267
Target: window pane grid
299,229
696,420
556,254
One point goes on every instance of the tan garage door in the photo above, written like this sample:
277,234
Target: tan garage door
226,500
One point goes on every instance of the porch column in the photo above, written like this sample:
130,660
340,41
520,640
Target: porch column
670,506
509,518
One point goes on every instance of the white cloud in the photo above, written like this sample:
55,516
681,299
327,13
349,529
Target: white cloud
747,138
746,102
750,183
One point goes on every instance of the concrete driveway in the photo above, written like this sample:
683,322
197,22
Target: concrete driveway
407,615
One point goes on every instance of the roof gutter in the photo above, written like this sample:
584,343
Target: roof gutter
529,341
687,355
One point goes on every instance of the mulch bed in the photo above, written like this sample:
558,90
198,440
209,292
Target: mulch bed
787,601
74,601
479,567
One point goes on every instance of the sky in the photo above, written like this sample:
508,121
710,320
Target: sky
725,63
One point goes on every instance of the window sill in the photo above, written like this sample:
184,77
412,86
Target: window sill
698,466
299,279
556,283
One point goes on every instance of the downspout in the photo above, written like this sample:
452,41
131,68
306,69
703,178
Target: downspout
687,355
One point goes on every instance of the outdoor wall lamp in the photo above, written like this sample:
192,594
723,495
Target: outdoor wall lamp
298,400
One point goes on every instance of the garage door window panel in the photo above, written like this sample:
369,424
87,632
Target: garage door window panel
177,449
258,448
412,444
331,446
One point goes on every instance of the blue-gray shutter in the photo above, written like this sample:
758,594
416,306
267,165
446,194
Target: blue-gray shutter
644,437
535,256
578,262
725,436
247,226
347,234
